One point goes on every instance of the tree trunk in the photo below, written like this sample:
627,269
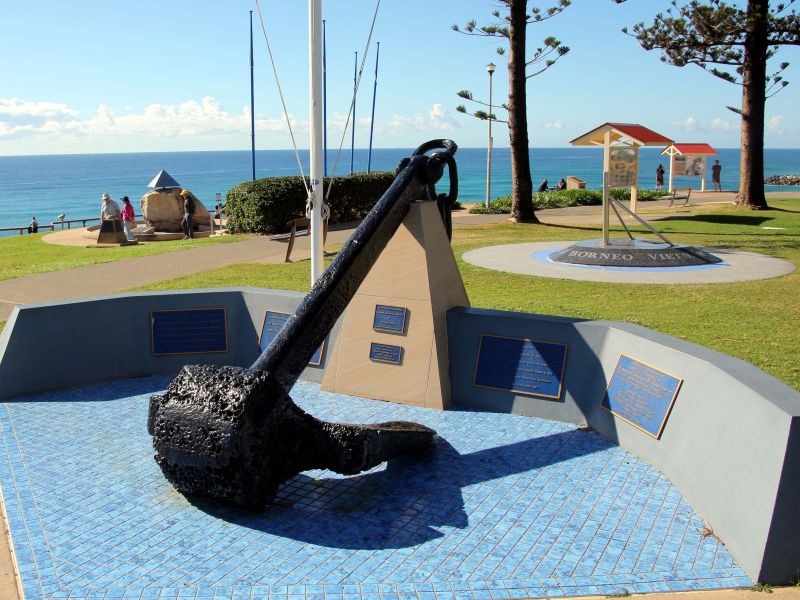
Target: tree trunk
754,85
521,184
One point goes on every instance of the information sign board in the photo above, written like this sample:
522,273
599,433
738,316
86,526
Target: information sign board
273,322
188,331
641,395
390,319
523,366
386,353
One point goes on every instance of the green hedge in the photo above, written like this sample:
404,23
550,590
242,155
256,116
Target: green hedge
265,206
565,198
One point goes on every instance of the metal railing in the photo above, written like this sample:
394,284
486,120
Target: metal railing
60,224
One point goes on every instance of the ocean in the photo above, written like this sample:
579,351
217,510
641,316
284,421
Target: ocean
46,186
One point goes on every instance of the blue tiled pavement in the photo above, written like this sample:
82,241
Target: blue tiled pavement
506,507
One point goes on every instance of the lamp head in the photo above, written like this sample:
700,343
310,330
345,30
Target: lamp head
490,68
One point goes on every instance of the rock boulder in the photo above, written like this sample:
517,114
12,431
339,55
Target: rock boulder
163,210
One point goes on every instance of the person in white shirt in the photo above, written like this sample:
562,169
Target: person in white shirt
109,209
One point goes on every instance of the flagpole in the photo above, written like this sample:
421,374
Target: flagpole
353,125
252,103
315,116
324,101
372,120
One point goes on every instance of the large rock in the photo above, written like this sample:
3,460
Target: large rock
163,209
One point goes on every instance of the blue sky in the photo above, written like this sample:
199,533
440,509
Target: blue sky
99,76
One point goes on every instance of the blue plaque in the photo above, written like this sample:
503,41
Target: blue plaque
641,395
522,366
385,353
273,322
390,319
188,331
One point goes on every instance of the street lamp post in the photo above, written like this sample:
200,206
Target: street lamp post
490,69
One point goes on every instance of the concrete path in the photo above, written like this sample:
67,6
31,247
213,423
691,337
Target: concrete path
116,276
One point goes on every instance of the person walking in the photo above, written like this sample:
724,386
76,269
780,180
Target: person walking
128,219
716,172
34,226
109,209
188,214
660,177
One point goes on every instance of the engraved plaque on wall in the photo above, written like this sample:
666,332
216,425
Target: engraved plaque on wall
522,366
386,353
273,322
641,395
188,331
390,319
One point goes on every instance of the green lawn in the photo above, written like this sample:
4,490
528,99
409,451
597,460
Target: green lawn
756,321
28,254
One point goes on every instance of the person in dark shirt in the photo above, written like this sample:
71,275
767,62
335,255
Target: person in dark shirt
660,177
562,184
543,186
188,213
716,172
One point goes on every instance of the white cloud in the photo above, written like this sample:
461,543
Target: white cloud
190,118
14,107
723,125
775,125
554,125
438,118
688,125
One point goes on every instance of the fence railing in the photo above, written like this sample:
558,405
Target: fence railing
60,224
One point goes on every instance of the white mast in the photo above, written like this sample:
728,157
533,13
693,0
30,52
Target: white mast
315,116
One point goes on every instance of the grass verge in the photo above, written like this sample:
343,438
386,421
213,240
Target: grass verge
28,254
755,320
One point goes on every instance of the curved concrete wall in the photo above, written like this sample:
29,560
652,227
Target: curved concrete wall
54,346
731,444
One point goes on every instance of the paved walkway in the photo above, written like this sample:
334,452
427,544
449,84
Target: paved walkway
117,276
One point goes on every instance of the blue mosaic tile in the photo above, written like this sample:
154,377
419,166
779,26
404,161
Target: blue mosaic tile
506,507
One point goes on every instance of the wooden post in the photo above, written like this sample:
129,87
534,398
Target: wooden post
635,186
671,167
606,183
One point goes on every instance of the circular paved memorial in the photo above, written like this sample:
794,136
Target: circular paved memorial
506,506
625,252
539,259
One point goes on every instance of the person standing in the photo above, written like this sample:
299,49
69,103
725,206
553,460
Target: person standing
660,177
128,219
109,209
188,214
34,226
716,172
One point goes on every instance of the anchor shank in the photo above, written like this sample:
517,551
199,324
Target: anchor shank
289,353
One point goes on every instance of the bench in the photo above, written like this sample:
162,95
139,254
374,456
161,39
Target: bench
295,232
680,194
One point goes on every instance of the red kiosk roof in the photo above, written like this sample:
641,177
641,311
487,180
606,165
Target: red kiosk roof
703,149
639,134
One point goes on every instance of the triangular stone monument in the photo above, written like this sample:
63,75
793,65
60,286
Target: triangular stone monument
393,341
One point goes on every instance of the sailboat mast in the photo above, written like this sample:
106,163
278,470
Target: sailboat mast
315,116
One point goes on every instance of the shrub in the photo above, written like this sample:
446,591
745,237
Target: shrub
265,206
565,198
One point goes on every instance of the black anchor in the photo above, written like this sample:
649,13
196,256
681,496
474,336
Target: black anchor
234,434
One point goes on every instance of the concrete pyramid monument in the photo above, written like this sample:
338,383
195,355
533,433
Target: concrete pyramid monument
393,341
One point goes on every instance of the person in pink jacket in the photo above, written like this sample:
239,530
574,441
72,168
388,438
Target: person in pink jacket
128,219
